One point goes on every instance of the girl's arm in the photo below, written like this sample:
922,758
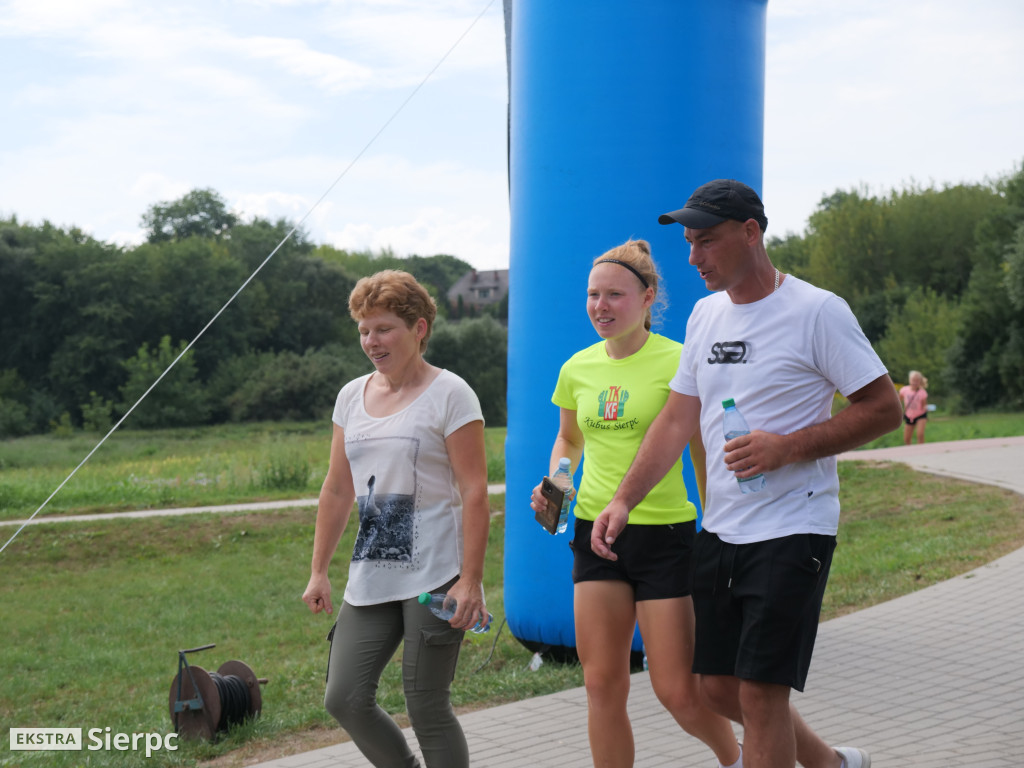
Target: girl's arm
569,443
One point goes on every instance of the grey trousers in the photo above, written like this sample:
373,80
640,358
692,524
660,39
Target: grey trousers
363,641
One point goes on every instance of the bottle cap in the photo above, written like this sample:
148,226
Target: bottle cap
563,463
424,598
730,403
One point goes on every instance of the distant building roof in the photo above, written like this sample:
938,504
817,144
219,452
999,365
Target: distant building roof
480,289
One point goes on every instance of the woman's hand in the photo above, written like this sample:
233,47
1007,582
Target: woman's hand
471,607
537,501
318,594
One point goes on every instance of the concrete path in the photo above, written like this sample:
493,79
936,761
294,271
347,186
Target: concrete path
932,679
993,461
174,511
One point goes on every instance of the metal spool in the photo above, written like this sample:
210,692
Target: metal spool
204,703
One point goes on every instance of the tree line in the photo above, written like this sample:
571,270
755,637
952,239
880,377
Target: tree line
936,278
87,327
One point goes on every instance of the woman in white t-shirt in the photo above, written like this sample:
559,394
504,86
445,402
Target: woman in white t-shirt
408,450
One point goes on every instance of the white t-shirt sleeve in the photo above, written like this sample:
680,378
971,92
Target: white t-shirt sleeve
840,349
684,382
462,405
349,396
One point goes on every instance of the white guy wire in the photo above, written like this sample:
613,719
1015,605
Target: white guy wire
257,270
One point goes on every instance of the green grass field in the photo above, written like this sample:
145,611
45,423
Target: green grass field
92,614
142,469
942,427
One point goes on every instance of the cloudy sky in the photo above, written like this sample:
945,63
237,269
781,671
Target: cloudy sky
111,106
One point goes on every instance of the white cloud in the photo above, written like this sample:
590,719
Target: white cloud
882,94
121,104
432,208
430,230
326,71
411,38
47,17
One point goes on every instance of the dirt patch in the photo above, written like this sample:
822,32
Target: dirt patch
261,751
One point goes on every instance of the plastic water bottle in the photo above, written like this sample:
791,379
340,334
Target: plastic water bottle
735,425
563,479
444,607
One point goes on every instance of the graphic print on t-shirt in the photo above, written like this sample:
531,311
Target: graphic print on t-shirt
387,509
611,403
729,352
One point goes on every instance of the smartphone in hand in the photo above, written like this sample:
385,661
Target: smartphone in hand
553,495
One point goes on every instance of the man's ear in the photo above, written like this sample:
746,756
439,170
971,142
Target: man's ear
752,231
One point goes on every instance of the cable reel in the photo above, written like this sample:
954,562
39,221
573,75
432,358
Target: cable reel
203,703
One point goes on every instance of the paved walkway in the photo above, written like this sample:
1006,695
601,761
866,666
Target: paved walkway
931,679
992,461
175,511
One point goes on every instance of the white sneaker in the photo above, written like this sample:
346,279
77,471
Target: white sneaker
738,763
854,757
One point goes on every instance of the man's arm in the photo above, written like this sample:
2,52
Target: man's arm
668,434
874,410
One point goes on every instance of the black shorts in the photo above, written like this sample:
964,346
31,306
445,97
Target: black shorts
913,421
757,606
653,559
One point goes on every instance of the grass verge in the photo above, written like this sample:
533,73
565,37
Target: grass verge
142,469
943,427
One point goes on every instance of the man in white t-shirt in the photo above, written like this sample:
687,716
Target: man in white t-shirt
779,348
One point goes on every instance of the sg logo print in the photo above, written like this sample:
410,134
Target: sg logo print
728,352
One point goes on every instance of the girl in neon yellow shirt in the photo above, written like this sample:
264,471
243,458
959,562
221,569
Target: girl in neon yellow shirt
608,394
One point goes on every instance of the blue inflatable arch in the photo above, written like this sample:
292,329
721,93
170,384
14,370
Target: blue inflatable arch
617,111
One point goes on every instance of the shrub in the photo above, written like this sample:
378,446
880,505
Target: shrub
288,386
97,414
284,473
177,401
14,419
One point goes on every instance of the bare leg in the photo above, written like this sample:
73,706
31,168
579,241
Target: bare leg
605,617
768,734
667,628
920,430
761,706
908,432
811,750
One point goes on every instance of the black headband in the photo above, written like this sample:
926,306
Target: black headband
630,267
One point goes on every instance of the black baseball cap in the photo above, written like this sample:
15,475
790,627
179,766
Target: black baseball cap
718,201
